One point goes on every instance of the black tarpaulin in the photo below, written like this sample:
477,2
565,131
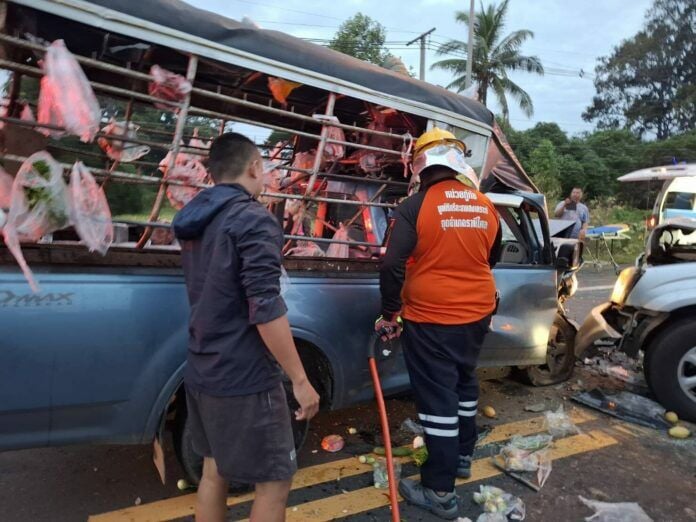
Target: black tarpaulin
287,49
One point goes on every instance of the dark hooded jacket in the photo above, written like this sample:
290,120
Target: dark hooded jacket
231,253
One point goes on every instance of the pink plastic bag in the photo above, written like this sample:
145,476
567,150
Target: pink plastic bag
5,189
90,213
66,98
39,205
191,172
332,151
168,86
339,250
119,150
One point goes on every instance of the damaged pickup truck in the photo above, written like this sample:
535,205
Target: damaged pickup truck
652,312
97,354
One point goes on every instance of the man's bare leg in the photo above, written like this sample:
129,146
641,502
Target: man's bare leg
270,502
211,500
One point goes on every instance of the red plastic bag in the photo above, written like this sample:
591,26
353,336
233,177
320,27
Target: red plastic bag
190,172
119,150
66,98
90,213
168,86
39,205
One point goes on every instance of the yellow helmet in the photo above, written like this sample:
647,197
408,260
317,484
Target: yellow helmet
433,136
441,147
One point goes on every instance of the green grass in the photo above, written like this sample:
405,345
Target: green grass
607,212
166,214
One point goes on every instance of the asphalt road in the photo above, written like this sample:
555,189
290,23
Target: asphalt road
609,460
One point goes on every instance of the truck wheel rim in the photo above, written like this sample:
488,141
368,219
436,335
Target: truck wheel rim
687,373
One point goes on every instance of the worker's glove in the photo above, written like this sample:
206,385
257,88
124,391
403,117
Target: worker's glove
388,329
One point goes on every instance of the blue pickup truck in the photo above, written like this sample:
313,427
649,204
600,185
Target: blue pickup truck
97,356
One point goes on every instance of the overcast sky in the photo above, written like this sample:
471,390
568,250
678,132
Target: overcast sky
569,36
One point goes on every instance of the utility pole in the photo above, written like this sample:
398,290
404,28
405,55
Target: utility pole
470,46
422,50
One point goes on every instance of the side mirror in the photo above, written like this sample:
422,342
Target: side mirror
568,254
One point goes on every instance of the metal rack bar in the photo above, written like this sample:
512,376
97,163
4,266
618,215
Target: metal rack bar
202,92
178,133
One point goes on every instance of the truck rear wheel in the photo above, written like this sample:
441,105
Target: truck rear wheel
560,356
192,463
670,368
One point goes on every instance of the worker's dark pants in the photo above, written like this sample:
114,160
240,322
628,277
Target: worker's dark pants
441,361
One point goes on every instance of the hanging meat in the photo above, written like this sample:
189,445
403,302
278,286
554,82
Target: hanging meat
122,149
168,86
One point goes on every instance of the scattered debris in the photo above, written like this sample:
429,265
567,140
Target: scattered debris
679,432
380,475
418,442
413,427
536,408
612,363
525,455
615,512
366,459
463,519
352,431
138,501
489,412
397,452
183,485
420,456
558,424
332,443
315,451
496,501
672,417
627,406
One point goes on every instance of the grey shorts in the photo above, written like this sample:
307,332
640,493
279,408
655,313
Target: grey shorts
249,436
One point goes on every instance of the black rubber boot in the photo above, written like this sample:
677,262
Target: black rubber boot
415,494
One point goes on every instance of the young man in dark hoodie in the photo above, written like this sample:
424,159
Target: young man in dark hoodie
231,253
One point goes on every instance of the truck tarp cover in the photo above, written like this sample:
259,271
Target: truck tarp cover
287,49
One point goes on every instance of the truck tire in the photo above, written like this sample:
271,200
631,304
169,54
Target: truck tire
670,368
192,463
560,356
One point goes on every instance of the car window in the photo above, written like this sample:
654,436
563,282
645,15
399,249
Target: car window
515,245
680,200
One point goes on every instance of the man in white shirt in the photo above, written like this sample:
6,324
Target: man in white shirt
572,210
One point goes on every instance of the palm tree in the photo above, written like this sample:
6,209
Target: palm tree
494,57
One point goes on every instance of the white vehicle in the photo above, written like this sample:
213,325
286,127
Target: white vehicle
652,309
677,198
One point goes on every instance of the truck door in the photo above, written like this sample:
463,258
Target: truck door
526,279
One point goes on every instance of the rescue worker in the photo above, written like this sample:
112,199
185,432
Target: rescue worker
442,244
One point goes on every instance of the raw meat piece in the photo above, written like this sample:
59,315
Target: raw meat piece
119,150
168,86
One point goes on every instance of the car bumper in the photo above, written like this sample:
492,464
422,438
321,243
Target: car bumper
594,328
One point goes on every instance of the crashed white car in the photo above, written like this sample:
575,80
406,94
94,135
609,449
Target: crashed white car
653,309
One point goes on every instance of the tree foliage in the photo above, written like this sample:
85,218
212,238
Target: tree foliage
362,37
495,55
595,160
648,83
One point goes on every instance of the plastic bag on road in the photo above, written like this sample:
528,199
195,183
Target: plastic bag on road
558,424
168,86
615,512
119,150
66,98
90,213
528,454
495,501
39,205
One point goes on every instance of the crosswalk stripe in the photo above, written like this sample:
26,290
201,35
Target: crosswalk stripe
366,499
183,505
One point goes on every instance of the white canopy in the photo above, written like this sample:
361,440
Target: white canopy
660,173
